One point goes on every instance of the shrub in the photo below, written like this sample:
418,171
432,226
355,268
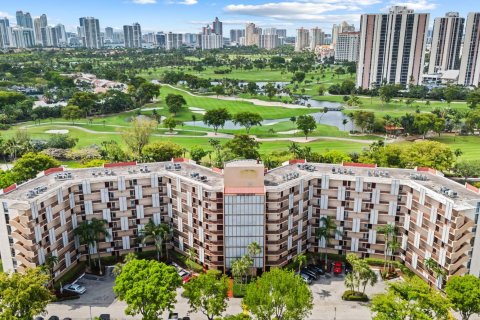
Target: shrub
350,295
182,260
238,290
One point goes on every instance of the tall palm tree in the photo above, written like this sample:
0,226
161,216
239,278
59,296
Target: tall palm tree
432,266
191,255
393,246
301,260
158,233
50,262
90,233
389,231
253,250
326,231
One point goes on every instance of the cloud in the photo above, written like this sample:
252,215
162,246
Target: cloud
144,1
184,2
6,15
307,10
416,5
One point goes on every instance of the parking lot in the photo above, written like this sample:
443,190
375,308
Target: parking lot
99,299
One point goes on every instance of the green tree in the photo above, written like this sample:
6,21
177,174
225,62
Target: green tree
424,122
473,98
472,120
138,135
430,154
390,234
170,124
207,293
62,141
270,90
464,294
293,119
191,256
216,118
23,295
85,100
197,153
432,266
363,119
148,287
30,164
306,124
90,233
146,92
247,119
467,169
325,232
50,262
159,234
72,113
387,92
300,260
243,146
175,102
279,294
161,151
410,299
321,90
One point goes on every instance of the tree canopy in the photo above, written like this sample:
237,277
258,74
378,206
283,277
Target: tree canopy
148,287
464,294
216,118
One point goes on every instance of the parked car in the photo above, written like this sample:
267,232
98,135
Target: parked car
185,275
75,288
105,316
186,318
318,269
306,278
337,268
310,273
54,318
173,316
39,318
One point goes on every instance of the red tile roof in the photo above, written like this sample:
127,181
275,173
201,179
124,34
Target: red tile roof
52,170
120,164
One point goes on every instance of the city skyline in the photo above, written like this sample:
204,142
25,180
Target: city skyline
234,14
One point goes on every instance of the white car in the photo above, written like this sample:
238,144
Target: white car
75,288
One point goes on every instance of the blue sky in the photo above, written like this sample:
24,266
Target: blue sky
190,15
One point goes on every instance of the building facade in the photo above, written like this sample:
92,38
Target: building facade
132,36
39,23
302,41
347,46
4,33
446,43
392,48
89,32
341,28
252,35
218,213
470,61
317,38
173,41
269,39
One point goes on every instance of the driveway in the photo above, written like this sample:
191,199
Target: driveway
99,298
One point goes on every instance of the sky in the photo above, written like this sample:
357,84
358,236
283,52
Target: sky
191,15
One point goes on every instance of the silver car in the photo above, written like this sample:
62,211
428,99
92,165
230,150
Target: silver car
75,288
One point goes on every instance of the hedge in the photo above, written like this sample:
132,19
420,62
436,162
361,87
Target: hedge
239,290
397,264
350,295
180,258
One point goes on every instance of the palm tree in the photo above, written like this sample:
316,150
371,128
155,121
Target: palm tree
157,233
191,255
387,230
89,233
350,281
326,231
50,263
119,266
301,260
393,246
344,122
253,250
240,268
432,266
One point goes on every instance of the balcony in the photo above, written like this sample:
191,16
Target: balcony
24,251
25,240
20,227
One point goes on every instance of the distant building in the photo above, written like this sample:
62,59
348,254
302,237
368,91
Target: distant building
317,38
89,32
217,27
24,20
50,38
347,46
109,33
302,40
470,62
173,41
252,35
446,43
4,33
22,37
341,28
269,39
39,23
160,39
282,33
132,36
392,47
236,34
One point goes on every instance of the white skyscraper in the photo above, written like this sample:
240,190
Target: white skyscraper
90,32
302,40
252,35
4,33
341,28
470,62
347,46
39,23
133,36
392,47
317,38
173,41
269,39
446,43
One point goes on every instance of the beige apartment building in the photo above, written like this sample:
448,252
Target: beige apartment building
220,212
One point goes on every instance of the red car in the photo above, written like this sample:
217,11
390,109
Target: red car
337,268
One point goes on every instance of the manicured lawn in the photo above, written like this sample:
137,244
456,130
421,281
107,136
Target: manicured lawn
469,145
